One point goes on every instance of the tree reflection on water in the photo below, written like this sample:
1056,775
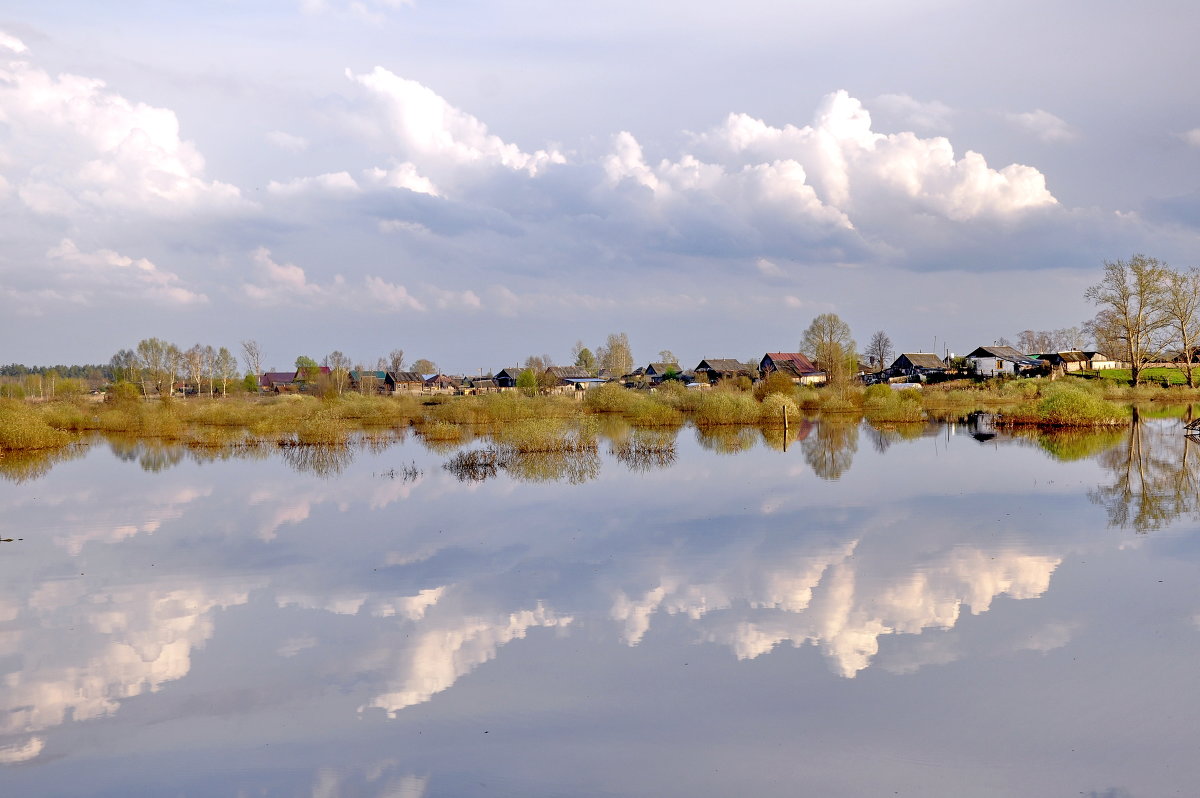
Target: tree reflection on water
831,450
1154,472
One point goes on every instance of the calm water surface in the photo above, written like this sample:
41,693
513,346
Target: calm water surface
911,612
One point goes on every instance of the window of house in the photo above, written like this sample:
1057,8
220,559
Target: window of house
999,365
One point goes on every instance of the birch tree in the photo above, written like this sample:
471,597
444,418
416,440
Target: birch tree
1132,298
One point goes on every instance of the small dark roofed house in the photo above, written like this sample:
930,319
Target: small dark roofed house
409,381
657,372
916,364
507,378
440,382
993,361
794,364
717,368
277,381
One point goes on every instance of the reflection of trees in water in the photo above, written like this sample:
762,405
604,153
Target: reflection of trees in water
1155,475
22,466
831,449
646,449
884,434
150,453
776,438
324,461
1075,444
727,439
477,465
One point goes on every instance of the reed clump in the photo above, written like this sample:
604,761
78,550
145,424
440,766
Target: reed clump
773,409
22,427
1066,405
610,398
886,405
727,407
324,427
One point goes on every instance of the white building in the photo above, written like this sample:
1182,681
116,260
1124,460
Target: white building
995,361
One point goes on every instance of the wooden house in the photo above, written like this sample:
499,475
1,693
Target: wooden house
716,368
277,381
657,372
404,382
795,365
368,382
1064,361
916,364
507,378
440,383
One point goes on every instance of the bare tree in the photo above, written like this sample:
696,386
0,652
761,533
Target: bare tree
828,341
124,365
879,349
394,361
339,370
1182,307
667,356
226,368
193,361
252,355
1132,298
616,354
209,368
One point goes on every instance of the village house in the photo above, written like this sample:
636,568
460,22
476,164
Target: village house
404,382
507,378
715,369
368,381
440,383
657,372
795,365
916,364
276,381
1097,361
996,361
1073,360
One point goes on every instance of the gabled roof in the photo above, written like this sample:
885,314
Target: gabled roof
483,383
568,372
920,360
441,379
662,368
510,373
405,376
721,364
1004,353
793,362
358,375
276,377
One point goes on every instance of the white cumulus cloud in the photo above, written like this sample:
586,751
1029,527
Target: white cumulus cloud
1044,125
73,143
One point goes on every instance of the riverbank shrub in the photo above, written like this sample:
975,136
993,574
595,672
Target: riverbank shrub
1066,405
21,427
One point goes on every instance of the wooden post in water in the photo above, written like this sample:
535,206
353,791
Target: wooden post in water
785,427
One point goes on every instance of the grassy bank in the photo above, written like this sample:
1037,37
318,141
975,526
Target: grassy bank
547,423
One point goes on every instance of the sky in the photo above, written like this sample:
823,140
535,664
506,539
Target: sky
477,182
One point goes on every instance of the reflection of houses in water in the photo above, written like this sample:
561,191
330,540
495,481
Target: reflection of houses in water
982,426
